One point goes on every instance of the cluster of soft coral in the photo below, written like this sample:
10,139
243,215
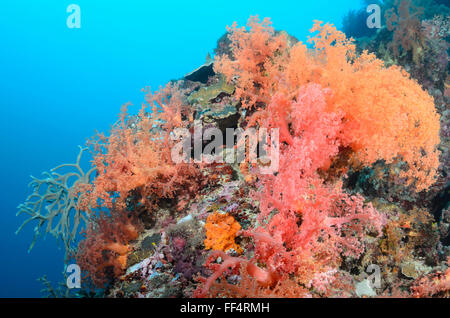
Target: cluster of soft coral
334,110
135,172
403,20
135,160
384,114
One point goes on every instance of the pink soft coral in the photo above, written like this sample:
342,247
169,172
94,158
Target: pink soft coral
310,222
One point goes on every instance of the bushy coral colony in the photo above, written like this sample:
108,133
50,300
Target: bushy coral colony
361,173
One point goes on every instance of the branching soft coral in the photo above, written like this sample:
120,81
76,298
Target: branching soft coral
312,217
102,255
386,115
136,156
306,224
252,63
135,163
254,282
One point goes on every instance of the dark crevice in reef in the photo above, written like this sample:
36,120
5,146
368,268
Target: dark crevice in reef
201,74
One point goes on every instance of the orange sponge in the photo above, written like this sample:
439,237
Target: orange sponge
221,230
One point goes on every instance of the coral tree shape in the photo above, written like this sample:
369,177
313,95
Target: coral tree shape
137,156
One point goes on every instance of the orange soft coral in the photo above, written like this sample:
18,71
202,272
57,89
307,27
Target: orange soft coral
307,222
221,231
253,51
136,156
386,114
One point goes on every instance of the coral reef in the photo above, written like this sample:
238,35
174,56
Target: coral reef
415,36
360,88
361,171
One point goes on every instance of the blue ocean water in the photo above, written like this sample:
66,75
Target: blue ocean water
59,85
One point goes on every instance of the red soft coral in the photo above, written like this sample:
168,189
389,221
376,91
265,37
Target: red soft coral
310,223
102,255
254,282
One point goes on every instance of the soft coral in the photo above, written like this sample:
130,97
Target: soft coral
102,255
386,115
136,156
